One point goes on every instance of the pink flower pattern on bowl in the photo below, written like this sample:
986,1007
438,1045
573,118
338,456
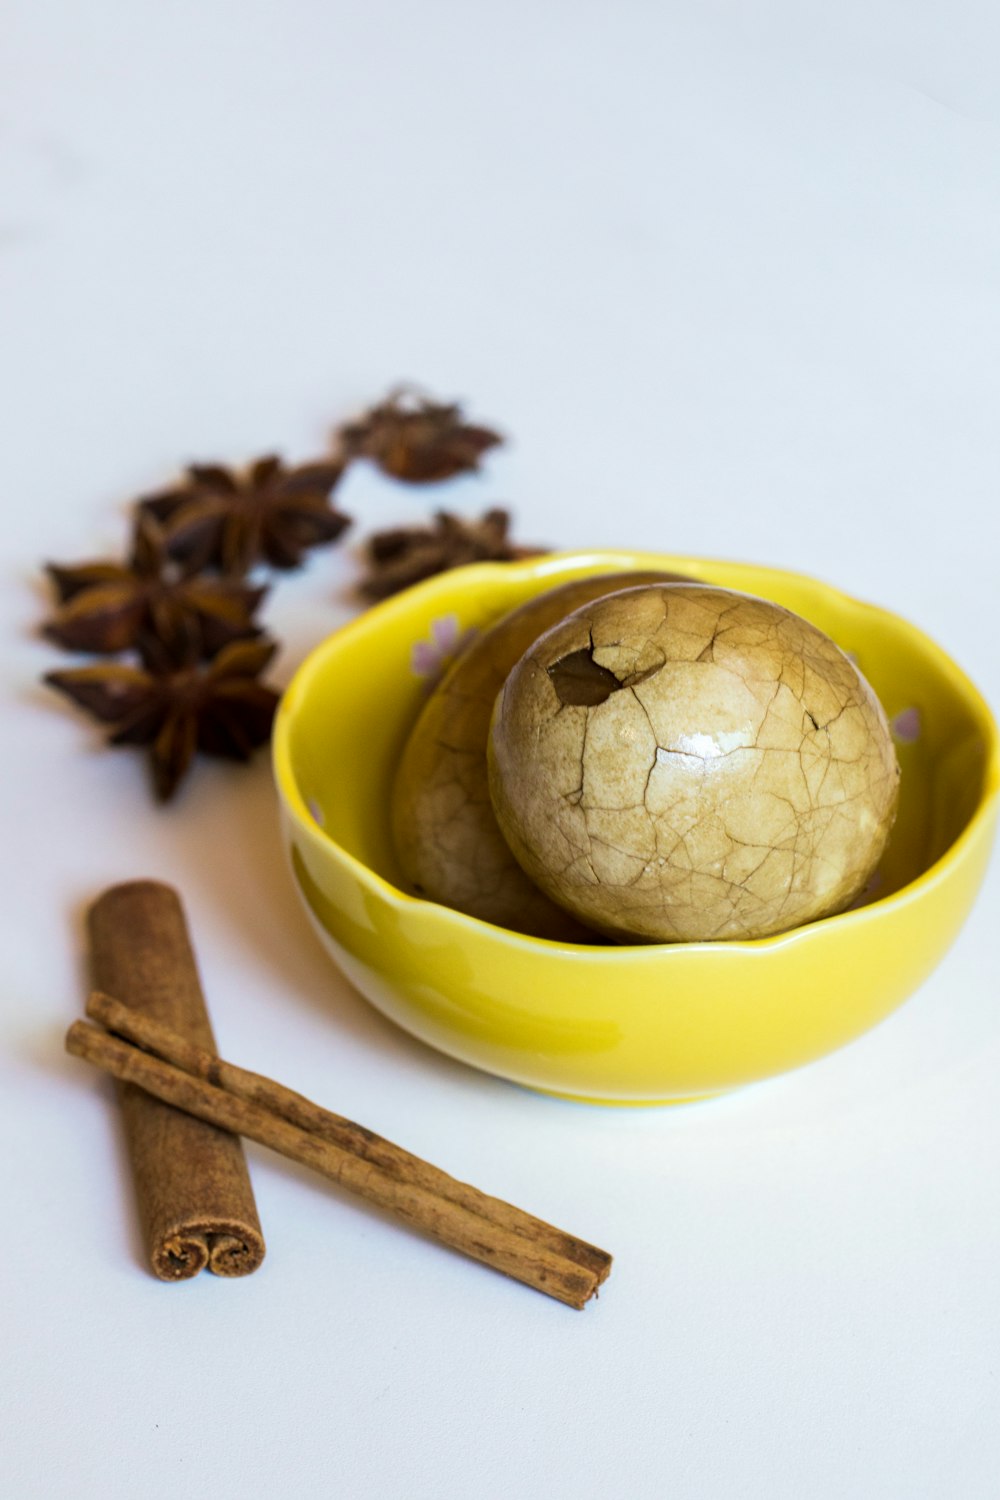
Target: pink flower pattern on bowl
431,658
906,726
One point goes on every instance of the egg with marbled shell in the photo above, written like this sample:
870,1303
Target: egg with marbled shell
444,832
688,764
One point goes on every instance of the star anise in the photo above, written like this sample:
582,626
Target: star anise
108,606
406,554
267,513
176,705
421,441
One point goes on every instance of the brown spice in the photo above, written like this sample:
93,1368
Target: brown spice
177,706
415,439
196,1204
231,519
179,596
452,1212
108,606
404,555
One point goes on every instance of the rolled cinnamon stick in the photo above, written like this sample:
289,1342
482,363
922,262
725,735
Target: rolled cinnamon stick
346,1137
196,1205
456,1214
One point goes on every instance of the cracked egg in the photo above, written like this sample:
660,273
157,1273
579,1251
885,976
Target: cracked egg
686,763
446,837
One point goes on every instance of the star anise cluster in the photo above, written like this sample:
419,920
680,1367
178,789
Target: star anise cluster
181,607
181,603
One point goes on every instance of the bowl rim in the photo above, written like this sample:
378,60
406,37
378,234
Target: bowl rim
558,564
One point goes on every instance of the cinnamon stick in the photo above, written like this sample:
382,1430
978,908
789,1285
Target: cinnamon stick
196,1205
452,1212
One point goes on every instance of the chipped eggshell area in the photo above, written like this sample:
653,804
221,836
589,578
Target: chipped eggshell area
728,774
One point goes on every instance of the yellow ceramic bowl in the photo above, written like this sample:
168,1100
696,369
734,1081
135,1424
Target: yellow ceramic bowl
623,1025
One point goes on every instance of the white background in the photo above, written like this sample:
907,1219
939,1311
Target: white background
729,275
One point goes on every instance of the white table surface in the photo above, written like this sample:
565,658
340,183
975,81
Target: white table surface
730,277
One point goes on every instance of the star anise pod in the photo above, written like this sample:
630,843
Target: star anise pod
107,606
406,554
176,705
230,520
421,441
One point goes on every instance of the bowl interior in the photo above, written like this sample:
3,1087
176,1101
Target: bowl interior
351,706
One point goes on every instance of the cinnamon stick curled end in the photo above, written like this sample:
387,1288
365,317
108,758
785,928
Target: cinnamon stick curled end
226,1250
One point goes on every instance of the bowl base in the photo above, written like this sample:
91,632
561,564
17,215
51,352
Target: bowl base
630,1103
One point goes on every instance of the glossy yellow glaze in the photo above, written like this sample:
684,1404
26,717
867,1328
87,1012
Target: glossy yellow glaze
642,1024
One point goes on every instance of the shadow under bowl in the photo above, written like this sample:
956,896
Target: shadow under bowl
651,1023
